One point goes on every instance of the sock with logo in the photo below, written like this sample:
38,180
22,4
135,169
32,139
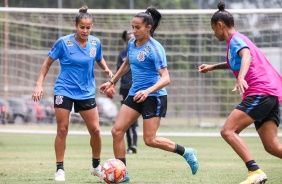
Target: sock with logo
60,165
179,149
252,165
95,162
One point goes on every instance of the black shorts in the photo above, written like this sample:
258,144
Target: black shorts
79,105
261,108
153,106
123,94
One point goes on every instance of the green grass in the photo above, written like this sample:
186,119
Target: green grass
29,158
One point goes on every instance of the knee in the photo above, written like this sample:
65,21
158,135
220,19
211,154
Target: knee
149,142
62,132
116,133
94,132
270,149
226,133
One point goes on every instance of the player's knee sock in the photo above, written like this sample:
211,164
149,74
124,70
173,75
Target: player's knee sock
179,149
95,162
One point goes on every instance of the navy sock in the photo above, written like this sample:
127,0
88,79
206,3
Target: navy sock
252,165
123,160
60,165
95,162
179,149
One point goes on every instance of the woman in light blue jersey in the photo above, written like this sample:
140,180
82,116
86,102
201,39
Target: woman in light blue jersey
147,96
75,86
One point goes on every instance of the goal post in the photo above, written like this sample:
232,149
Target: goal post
27,34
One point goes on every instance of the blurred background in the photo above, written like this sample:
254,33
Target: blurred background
29,28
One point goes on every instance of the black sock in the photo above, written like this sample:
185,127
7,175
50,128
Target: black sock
60,165
123,160
95,162
179,149
252,165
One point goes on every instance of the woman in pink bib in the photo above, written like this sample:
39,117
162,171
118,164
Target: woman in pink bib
261,88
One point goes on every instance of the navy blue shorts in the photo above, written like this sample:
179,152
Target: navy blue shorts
79,105
152,106
261,108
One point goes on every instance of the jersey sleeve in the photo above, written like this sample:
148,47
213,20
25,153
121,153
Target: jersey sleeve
159,57
99,54
237,43
56,51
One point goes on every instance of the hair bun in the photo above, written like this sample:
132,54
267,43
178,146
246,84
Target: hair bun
83,9
221,6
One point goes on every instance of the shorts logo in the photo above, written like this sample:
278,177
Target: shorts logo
92,52
141,56
59,100
69,43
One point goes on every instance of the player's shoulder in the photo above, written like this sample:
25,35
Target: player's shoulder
93,40
155,44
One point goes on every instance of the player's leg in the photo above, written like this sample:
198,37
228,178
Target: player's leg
128,140
134,132
60,141
89,113
124,119
153,108
235,123
63,106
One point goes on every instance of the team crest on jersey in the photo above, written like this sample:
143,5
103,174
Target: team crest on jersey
92,52
59,100
147,48
93,42
141,56
69,43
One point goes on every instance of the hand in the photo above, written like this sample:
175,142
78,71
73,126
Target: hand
104,87
204,68
37,93
109,73
111,91
140,96
241,86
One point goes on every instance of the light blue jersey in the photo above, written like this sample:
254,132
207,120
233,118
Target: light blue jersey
145,62
76,78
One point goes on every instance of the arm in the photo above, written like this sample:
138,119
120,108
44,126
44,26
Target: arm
103,65
204,68
38,91
125,67
245,65
140,96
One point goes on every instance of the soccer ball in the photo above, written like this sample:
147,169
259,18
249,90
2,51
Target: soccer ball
113,171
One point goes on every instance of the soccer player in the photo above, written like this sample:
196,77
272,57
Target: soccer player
147,96
75,85
261,88
125,84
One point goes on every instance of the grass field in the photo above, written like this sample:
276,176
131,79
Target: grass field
30,158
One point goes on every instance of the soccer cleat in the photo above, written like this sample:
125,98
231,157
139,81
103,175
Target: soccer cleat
255,177
60,175
96,172
126,178
190,157
133,149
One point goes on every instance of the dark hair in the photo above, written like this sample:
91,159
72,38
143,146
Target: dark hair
223,15
82,14
125,34
151,17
